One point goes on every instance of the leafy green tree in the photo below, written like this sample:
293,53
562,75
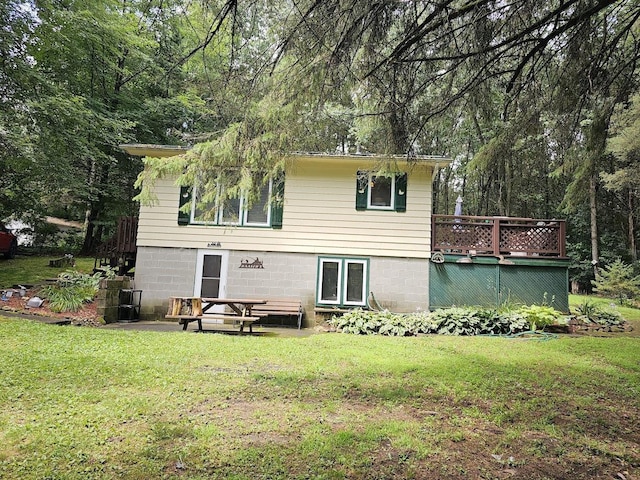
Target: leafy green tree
18,166
625,177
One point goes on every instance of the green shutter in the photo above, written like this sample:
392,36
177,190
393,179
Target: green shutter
362,189
185,198
277,202
401,192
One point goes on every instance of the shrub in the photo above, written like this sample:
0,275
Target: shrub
67,299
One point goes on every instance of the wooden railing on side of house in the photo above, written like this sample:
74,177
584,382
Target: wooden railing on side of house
498,236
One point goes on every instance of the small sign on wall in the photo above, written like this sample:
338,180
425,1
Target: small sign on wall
247,263
214,244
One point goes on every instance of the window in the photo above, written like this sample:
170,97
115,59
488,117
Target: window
342,281
380,192
266,210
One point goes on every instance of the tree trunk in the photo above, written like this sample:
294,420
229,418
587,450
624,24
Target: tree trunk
632,229
89,244
595,254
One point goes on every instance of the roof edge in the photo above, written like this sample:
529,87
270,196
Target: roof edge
152,150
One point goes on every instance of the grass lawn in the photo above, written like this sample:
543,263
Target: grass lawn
34,270
78,403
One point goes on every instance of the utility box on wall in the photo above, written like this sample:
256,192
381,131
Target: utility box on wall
488,282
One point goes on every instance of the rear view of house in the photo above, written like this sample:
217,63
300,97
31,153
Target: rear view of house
332,231
340,232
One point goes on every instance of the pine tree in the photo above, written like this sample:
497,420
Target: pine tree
617,280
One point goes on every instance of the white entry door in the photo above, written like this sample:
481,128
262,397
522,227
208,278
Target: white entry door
211,276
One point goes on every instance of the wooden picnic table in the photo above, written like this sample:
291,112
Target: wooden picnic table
240,311
241,306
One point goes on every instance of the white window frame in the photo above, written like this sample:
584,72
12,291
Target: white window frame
220,220
343,271
321,263
365,276
242,221
392,200
245,214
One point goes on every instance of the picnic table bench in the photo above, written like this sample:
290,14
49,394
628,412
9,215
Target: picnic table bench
279,307
194,309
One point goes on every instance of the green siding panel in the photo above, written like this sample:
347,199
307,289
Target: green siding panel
491,285
530,285
451,284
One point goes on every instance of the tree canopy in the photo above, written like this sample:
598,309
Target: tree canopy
533,100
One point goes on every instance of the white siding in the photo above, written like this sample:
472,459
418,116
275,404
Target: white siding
319,217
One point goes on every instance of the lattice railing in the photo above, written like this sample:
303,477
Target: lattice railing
498,236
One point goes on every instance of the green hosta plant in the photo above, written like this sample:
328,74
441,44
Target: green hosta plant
71,290
356,321
403,325
501,322
591,313
540,316
362,322
456,321
446,321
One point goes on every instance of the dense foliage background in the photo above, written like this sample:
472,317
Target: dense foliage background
537,104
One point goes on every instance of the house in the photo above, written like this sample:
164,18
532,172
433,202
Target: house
340,233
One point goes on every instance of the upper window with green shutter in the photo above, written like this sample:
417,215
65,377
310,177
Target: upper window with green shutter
381,192
264,211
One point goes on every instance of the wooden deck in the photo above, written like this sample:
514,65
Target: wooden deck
498,236
120,250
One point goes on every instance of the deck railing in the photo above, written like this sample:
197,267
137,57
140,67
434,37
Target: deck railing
498,236
120,250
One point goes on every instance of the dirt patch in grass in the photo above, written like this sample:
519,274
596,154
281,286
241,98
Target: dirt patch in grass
452,444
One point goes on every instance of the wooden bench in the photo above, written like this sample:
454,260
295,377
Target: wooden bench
280,307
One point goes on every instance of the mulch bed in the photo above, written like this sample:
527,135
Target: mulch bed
87,315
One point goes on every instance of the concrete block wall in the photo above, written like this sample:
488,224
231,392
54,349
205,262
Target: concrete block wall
108,297
162,273
400,284
284,275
